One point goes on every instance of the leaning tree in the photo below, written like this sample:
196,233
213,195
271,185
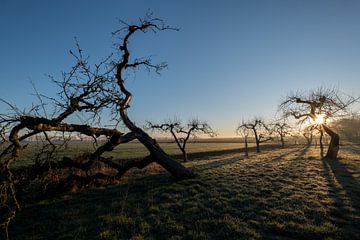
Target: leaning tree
261,132
316,109
182,132
94,90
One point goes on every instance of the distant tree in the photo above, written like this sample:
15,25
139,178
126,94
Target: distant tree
90,90
318,106
182,132
349,127
261,132
308,135
244,132
282,129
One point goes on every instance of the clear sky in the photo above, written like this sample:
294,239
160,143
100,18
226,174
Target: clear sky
231,59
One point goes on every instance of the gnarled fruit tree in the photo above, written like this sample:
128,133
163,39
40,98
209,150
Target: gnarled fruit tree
315,109
182,132
261,132
89,89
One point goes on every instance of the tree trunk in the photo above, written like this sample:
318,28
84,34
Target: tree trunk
308,139
167,162
321,143
246,147
257,142
282,141
257,146
185,156
334,143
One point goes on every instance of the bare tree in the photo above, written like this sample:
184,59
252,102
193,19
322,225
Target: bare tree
182,133
282,129
308,135
244,132
260,130
90,90
316,108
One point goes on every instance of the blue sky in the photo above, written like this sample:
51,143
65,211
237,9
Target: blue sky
230,60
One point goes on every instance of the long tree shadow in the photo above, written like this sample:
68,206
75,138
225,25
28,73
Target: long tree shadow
217,163
299,150
221,162
344,188
352,147
200,155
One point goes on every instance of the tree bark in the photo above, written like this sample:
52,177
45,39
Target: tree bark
170,164
334,143
257,141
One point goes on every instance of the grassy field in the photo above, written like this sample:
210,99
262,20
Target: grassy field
130,150
280,193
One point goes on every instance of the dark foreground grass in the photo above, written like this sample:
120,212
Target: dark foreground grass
278,194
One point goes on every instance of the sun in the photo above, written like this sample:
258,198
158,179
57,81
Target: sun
319,119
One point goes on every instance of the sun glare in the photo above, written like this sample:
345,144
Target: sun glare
319,119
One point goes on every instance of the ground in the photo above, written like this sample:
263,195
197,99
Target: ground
288,193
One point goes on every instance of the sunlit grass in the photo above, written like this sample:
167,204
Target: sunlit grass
281,193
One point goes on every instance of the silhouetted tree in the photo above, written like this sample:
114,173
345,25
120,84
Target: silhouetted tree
90,90
182,132
260,130
282,129
318,106
308,135
244,132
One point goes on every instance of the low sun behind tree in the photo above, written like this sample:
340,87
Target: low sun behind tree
318,108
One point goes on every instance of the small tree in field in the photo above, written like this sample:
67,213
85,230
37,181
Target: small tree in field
90,90
308,134
260,131
319,107
244,132
182,132
282,129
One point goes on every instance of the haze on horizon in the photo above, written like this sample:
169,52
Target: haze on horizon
229,61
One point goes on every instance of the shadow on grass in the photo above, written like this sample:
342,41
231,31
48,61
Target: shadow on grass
344,188
301,150
83,215
217,164
222,162
352,147
201,155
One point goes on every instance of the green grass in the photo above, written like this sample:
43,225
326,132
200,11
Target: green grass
280,193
